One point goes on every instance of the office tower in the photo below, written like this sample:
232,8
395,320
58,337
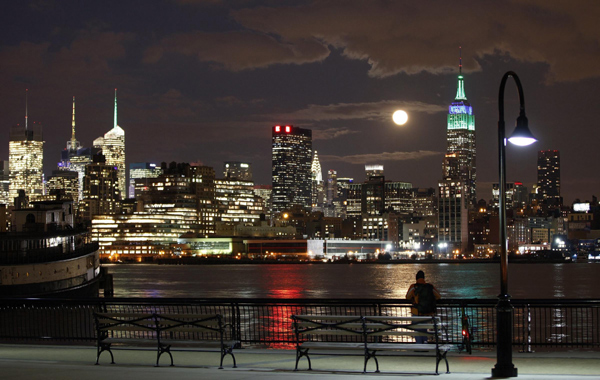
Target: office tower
64,182
4,183
317,191
548,177
237,170
292,156
138,173
424,202
332,191
460,160
113,149
453,215
101,195
74,158
236,202
373,171
25,160
378,196
264,192
521,195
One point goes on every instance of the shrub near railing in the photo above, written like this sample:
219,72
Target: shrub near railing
537,323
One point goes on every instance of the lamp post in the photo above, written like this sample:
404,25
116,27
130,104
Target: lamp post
521,136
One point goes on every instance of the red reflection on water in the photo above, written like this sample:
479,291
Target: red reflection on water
282,281
285,281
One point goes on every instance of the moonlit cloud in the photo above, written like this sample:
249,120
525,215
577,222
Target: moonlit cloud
371,110
331,133
380,157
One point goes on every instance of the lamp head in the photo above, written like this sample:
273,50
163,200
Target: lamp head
522,136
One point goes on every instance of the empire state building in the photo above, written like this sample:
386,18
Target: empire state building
460,160
457,188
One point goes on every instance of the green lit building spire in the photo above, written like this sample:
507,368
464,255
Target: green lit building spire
460,91
115,124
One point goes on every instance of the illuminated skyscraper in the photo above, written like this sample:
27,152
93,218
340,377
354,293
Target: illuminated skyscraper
460,161
317,191
4,183
75,158
25,157
113,149
548,177
292,155
457,189
100,193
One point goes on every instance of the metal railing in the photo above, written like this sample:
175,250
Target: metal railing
555,324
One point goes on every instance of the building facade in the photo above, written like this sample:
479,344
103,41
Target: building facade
25,158
548,178
292,159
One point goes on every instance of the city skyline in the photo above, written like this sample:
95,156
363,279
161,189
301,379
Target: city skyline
206,81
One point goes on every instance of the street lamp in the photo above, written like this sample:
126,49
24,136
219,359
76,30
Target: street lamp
521,136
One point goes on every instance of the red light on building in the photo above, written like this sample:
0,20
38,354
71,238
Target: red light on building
278,128
518,183
288,129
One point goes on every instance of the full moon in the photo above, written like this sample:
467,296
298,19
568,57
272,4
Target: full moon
400,117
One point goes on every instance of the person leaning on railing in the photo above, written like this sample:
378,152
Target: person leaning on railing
423,297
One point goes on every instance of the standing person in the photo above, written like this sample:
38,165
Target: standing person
423,297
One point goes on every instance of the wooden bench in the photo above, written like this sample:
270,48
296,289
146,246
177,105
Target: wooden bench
163,331
369,335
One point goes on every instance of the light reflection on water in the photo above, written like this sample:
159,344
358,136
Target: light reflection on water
351,280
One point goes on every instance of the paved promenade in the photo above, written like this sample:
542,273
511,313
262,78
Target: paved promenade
69,362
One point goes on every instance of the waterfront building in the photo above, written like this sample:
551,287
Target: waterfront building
336,249
548,178
139,236
101,195
112,145
138,173
25,160
291,176
4,183
237,170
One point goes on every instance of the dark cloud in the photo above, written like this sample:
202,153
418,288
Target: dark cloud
380,157
239,50
412,37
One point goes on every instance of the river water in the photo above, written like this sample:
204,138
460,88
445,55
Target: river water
380,281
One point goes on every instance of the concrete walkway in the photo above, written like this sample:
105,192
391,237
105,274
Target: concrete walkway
69,362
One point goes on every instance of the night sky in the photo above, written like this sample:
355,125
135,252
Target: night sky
204,81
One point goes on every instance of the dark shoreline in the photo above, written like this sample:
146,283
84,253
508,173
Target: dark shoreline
221,261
